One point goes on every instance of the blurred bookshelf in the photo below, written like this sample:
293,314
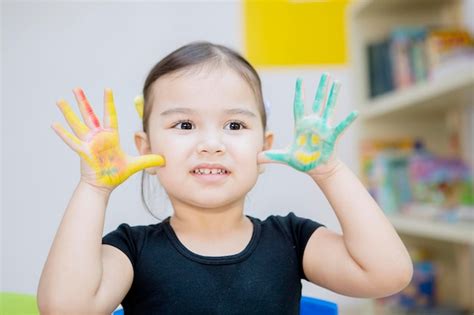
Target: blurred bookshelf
459,232
425,96
413,71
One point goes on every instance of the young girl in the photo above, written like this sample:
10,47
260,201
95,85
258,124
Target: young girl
204,115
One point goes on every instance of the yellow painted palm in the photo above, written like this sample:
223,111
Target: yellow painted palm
103,162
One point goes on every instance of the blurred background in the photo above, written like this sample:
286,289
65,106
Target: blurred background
406,65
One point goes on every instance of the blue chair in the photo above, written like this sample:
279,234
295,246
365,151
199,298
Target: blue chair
308,306
313,306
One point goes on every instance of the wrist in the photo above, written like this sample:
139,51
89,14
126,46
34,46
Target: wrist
326,171
101,191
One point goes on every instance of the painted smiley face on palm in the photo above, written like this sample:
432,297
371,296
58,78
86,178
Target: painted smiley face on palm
98,145
314,139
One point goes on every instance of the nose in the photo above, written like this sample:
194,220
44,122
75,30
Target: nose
211,144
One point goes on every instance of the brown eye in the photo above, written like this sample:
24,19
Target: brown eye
235,125
185,124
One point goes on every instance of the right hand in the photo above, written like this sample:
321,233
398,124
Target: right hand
103,163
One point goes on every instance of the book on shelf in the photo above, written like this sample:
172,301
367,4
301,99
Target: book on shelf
404,177
380,68
409,55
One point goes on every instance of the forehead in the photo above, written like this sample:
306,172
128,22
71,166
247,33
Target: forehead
206,89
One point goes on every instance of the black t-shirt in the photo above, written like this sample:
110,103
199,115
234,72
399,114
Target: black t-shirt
264,278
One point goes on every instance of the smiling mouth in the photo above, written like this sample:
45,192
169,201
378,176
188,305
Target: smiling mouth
210,172
305,158
213,176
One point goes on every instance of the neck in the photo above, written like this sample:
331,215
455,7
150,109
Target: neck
207,222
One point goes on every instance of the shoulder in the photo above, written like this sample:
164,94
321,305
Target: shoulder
134,231
291,221
295,227
132,239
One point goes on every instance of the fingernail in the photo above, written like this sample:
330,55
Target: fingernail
80,94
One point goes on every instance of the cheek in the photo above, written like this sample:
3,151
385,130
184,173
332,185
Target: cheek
245,152
173,153
168,145
177,149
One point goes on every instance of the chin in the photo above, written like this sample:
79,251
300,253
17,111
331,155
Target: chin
212,201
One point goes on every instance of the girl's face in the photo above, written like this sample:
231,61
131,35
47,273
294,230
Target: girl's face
206,117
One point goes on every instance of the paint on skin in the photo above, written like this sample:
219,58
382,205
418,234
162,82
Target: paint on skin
79,128
139,105
305,155
110,116
88,108
100,147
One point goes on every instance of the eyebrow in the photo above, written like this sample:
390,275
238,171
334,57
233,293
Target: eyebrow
184,110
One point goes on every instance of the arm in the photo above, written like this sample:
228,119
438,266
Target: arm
74,268
81,275
369,259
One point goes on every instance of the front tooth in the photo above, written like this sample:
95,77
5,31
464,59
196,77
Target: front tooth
209,171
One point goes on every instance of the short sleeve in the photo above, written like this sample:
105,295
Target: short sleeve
125,239
299,230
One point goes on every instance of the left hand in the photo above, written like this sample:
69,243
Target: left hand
314,141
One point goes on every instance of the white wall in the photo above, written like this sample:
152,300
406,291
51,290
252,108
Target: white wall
50,48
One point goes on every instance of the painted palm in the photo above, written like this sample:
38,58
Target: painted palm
314,139
107,165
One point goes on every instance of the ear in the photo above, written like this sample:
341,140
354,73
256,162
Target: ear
143,146
267,145
268,141
142,143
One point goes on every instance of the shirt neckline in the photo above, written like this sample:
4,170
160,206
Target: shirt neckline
214,260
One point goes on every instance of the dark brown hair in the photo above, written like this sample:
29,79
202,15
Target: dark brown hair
190,57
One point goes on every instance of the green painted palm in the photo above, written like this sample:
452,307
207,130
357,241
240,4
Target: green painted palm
315,138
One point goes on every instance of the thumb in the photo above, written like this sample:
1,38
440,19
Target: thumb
141,162
272,156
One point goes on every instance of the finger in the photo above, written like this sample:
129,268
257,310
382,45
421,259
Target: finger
72,141
333,93
145,161
139,105
110,115
320,97
273,156
345,123
76,124
298,105
86,109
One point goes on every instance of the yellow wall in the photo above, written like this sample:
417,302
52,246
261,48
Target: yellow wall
286,33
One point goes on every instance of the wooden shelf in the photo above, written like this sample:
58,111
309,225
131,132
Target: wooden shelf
378,7
461,232
435,111
431,95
